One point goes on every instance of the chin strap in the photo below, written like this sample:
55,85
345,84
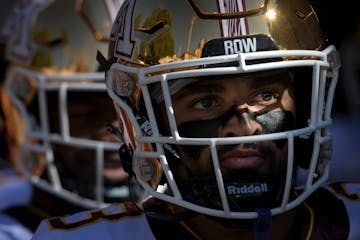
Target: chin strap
262,224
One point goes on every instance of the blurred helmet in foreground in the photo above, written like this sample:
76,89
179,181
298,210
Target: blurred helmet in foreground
55,101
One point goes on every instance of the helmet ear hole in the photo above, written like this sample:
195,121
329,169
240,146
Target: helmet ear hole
148,170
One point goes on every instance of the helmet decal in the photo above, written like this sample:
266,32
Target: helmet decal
233,27
123,24
234,45
18,30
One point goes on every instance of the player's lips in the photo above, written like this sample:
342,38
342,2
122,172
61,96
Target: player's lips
242,159
115,174
113,169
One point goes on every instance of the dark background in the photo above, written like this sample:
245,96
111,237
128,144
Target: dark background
340,20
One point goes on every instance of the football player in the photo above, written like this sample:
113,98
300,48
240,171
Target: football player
224,109
55,108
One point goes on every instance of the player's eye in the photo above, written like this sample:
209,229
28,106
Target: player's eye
206,103
269,96
266,98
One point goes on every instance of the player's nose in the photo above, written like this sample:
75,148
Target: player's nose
242,123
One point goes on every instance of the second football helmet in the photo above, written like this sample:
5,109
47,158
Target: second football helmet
55,101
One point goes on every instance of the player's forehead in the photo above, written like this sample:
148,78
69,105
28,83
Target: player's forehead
251,80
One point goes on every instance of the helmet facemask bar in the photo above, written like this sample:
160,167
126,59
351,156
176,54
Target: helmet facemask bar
39,140
318,121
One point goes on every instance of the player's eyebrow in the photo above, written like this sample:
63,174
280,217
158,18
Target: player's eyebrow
283,79
197,88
